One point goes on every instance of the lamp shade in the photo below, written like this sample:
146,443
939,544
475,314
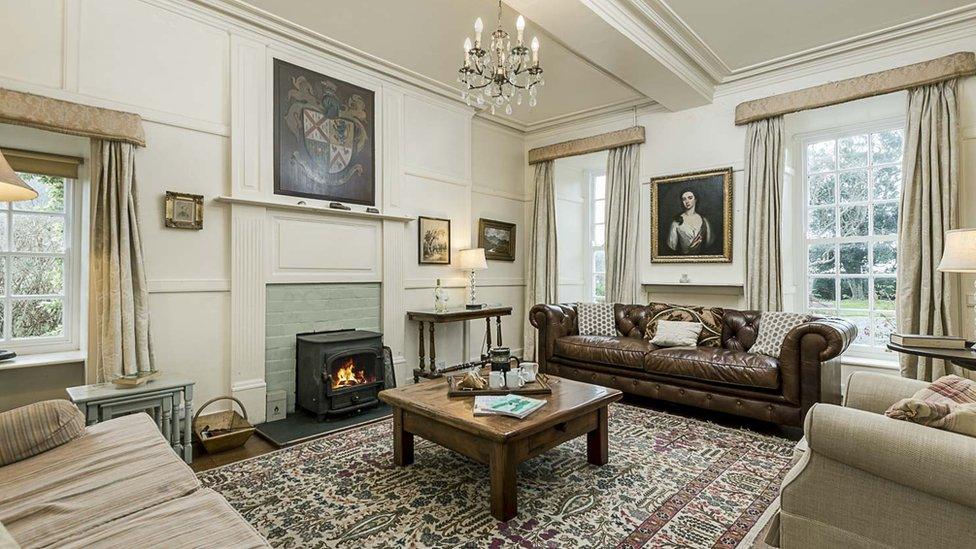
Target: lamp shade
959,254
12,187
472,259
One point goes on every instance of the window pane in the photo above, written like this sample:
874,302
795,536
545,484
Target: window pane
37,318
821,223
599,262
821,189
852,152
820,157
3,231
887,183
599,286
884,294
886,218
3,283
854,221
599,234
885,255
886,146
822,293
854,186
853,293
36,275
599,187
599,211
854,258
38,233
822,258
50,193
861,319
884,326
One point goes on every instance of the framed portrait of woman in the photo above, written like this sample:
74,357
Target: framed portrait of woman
691,217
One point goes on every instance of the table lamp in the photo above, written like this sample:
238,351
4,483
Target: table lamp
959,253
472,259
12,189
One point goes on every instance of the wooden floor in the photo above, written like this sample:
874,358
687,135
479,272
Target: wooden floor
257,446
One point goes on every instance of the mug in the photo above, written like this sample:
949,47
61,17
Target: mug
514,379
496,380
529,370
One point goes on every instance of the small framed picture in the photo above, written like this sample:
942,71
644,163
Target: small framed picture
184,211
497,238
434,237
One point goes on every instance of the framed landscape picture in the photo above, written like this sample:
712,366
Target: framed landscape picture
324,139
497,238
434,238
691,217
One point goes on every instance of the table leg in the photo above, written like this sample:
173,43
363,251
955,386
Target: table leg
187,423
175,436
488,334
402,441
498,329
504,493
597,450
433,351
423,355
167,405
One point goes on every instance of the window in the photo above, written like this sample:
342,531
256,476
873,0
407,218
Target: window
851,196
598,233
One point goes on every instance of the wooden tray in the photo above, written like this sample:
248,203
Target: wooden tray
538,387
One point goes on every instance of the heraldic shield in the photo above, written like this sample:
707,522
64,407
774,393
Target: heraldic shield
329,141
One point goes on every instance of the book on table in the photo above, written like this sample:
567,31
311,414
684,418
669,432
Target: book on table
506,405
928,341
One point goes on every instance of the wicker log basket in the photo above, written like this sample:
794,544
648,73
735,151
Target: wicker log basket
223,430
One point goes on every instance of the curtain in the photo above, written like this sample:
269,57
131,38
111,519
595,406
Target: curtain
764,166
623,203
119,341
928,208
540,286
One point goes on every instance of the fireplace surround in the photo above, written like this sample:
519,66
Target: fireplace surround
339,371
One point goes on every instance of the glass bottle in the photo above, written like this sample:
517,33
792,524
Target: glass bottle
440,298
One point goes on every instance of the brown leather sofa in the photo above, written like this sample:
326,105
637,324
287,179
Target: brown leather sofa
727,378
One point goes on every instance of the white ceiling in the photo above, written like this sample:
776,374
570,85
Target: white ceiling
603,53
426,36
748,32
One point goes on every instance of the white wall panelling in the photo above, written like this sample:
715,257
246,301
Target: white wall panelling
306,249
247,309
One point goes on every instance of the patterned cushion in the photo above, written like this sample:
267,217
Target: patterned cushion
675,333
35,428
773,328
596,319
948,403
709,317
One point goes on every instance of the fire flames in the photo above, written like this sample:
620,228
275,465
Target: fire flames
349,374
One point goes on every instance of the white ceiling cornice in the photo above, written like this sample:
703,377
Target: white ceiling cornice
666,21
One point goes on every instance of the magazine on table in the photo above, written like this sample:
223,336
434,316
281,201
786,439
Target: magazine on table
506,405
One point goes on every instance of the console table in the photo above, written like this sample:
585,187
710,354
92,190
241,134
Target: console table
457,314
160,398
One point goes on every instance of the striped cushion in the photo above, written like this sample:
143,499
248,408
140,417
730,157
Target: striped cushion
35,428
948,403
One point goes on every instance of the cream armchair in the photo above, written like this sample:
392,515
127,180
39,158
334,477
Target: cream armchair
866,480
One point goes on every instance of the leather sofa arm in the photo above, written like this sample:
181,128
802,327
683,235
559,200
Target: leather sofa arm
893,449
873,392
552,322
803,353
837,333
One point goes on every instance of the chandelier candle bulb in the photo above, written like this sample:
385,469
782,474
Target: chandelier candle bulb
535,51
520,27
467,52
479,26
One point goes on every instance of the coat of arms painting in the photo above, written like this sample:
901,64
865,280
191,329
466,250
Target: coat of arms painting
324,137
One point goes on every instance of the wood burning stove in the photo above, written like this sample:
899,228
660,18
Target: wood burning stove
338,371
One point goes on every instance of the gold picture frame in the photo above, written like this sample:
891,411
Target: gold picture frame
184,211
691,217
498,239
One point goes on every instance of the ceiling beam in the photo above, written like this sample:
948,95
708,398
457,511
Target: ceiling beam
623,41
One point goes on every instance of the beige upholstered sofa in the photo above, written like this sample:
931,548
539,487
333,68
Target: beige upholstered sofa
114,484
865,480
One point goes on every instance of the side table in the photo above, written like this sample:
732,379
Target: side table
160,398
456,314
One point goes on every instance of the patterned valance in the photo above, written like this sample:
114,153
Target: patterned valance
586,145
45,113
842,91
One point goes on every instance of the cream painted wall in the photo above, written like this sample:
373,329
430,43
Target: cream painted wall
193,75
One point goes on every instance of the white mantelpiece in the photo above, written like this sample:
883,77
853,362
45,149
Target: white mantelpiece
305,208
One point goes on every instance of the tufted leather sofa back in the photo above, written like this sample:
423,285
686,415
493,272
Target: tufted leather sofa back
631,319
739,328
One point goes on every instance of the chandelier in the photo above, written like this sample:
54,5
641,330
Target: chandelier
495,75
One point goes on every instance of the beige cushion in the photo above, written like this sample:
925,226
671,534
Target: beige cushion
596,319
35,428
711,319
6,540
675,333
774,326
201,519
116,468
947,403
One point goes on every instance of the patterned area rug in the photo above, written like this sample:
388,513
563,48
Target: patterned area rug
671,482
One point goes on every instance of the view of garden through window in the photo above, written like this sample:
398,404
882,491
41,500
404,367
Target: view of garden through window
33,249
852,196
599,228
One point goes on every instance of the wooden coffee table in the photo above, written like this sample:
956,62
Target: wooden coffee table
574,409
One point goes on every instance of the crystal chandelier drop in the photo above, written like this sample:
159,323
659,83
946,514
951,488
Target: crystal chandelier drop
493,76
